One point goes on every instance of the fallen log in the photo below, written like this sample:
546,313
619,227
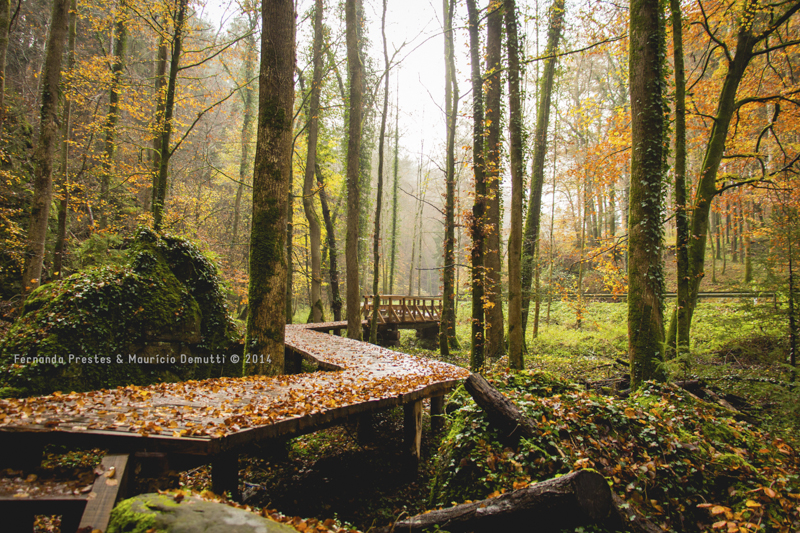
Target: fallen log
502,412
577,499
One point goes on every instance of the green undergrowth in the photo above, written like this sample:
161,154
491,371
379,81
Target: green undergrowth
682,462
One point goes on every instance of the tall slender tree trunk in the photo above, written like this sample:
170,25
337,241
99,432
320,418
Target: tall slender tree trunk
516,335
336,298
355,70
495,345
532,221
289,307
682,217
314,229
477,352
648,131
63,202
395,188
271,182
376,242
447,325
248,103
112,118
5,25
43,155
748,259
160,94
160,191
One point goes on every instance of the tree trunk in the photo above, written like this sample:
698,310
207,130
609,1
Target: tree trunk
160,191
336,298
289,309
63,203
532,221
648,131
314,229
395,187
580,498
503,414
271,182
748,260
447,326
5,23
477,352
495,345
160,95
682,217
248,102
376,242
112,118
43,155
516,335
355,70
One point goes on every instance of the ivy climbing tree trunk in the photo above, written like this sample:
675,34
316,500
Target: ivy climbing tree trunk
645,238
355,70
43,154
447,325
477,352
314,229
532,220
112,118
66,124
495,344
5,24
516,335
271,180
160,187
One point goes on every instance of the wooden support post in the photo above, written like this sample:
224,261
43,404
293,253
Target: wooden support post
225,474
437,413
107,490
365,428
413,428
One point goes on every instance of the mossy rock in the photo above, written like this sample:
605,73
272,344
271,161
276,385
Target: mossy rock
161,513
164,305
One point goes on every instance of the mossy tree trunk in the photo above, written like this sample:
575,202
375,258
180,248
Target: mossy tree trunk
159,93
271,179
355,70
376,238
532,220
336,298
112,118
648,132
5,23
516,335
495,344
45,148
477,352
66,124
314,228
681,215
395,188
160,187
447,325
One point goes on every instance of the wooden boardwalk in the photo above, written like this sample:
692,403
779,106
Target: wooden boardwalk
213,420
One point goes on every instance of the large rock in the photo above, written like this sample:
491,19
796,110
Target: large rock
138,322
162,514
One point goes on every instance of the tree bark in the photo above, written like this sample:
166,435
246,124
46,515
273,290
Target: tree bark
43,155
5,24
376,238
355,70
447,325
477,352
160,189
648,131
271,181
501,411
112,118
336,299
63,203
314,229
395,187
516,335
580,498
495,344
159,93
532,221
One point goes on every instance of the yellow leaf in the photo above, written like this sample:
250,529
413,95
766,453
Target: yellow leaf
718,509
751,503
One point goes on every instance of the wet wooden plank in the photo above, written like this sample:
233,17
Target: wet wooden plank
108,489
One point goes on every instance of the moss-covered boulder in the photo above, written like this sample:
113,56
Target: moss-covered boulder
163,513
159,316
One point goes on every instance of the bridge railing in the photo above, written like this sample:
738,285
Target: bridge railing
403,309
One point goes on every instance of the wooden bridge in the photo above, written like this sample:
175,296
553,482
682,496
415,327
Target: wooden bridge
186,424
422,313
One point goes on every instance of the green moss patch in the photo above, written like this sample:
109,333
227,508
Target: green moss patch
80,333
